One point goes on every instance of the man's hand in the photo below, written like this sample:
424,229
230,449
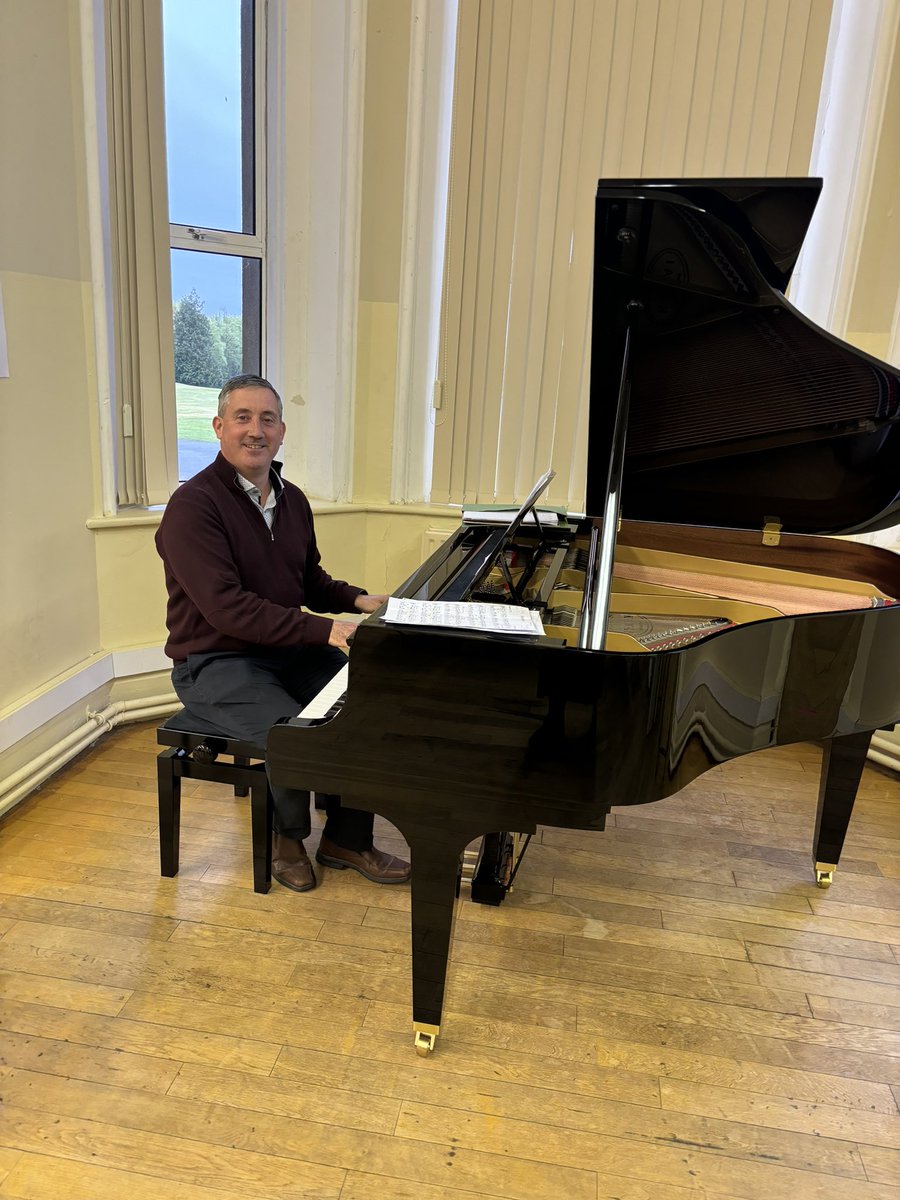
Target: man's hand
341,632
368,604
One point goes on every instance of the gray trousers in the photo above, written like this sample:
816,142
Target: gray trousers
243,695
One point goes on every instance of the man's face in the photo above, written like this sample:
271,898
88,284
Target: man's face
251,431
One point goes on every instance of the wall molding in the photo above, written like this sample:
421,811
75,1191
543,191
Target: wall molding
23,720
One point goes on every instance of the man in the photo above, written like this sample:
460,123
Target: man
240,556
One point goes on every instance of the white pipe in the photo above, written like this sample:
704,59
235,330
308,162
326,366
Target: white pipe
27,778
884,760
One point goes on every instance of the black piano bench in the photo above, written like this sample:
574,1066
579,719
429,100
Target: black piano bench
193,754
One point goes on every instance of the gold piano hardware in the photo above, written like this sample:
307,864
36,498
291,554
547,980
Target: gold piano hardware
771,532
426,1035
825,874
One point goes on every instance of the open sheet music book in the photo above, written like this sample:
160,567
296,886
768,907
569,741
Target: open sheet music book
514,517
491,618
490,513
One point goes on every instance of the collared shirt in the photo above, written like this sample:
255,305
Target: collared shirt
275,490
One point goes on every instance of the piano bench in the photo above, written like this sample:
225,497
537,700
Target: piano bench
192,753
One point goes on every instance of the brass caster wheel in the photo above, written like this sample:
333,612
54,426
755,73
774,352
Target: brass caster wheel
425,1037
824,874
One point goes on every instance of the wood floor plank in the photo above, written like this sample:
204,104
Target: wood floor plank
882,1165
80,916
63,993
54,1056
71,822
118,960
307,1024
686,896
882,1016
281,1096
40,1176
185,899
645,1125
24,858
377,1187
851,938
553,1058
585,981
817,1120
140,1037
828,964
389,1052
658,1038
9,1159
705,1166
166,1157
739,1019
311,1148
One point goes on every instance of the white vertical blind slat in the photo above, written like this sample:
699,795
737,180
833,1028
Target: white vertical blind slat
551,97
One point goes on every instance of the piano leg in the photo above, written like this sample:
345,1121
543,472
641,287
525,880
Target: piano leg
435,866
843,760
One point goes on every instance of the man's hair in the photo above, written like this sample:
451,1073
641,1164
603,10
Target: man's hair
237,382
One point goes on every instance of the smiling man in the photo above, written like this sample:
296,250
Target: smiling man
241,563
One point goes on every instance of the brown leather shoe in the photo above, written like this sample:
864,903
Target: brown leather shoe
291,865
374,865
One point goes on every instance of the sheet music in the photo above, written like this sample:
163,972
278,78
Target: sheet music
329,695
492,618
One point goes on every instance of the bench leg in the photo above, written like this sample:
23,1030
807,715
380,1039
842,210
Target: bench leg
168,784
262,812
241,762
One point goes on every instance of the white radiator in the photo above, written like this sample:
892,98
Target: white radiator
432,538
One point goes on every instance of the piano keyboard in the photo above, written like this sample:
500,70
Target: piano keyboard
330,697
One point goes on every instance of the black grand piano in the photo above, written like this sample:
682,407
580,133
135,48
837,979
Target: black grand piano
697,614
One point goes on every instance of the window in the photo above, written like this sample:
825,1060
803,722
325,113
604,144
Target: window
213,56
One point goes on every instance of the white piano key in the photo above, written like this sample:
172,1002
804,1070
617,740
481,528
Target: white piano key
329,695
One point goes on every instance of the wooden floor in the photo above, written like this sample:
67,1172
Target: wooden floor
669,1009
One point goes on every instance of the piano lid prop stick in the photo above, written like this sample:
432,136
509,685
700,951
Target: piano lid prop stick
593,630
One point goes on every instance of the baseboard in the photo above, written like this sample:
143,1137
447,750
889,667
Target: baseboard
48,729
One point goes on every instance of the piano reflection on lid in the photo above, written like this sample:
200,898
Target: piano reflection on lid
721,411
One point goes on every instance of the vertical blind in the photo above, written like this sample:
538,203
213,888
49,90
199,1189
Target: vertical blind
144,369
549,97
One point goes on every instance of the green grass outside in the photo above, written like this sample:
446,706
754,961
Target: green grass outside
195,408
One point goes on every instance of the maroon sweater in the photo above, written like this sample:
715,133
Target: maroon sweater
235,585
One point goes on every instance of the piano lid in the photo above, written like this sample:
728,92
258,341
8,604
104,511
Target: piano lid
741,410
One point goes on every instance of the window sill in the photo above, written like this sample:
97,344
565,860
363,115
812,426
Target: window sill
152,516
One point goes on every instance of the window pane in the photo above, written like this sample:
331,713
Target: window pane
208,46
216,303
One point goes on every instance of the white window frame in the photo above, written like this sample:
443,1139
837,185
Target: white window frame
223,241
312,122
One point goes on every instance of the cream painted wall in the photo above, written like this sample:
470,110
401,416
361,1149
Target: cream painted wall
376,381
49,595
70,592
